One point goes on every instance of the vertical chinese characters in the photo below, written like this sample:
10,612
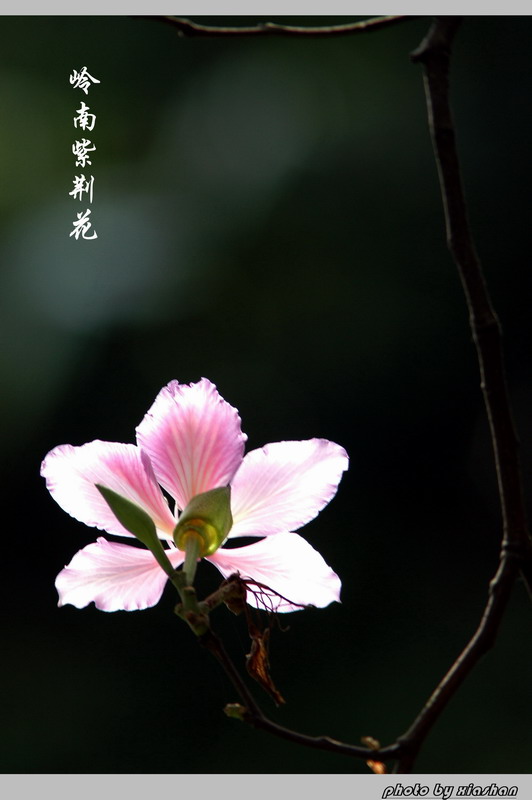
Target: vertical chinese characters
82,149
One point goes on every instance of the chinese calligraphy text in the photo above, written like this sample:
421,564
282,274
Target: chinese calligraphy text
82,148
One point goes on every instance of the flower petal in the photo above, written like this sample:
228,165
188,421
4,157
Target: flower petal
72,472
193,438
284,485
116,577
288,565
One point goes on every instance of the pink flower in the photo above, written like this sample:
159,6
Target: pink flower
189,442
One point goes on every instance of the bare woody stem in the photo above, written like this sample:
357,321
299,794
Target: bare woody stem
434,54
186,27
252,714
196,615
484,638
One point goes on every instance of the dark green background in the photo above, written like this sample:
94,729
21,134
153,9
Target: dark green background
268,216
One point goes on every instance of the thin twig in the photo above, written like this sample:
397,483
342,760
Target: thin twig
186,27
500,590
255,717
434,54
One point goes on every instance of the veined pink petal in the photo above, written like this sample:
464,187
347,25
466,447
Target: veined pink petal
284,485
193,438
288,565
114,576
72,472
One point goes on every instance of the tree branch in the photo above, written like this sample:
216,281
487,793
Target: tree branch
434,54
186,27
516,547
516,550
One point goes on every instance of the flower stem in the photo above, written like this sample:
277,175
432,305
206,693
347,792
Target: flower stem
193,548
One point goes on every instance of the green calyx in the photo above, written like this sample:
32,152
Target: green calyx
207,520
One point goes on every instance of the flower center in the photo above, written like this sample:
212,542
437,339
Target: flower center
207,536
207,519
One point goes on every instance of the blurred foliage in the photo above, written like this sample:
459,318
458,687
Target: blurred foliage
268,216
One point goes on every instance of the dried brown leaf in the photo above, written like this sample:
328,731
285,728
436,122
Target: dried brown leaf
258,663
